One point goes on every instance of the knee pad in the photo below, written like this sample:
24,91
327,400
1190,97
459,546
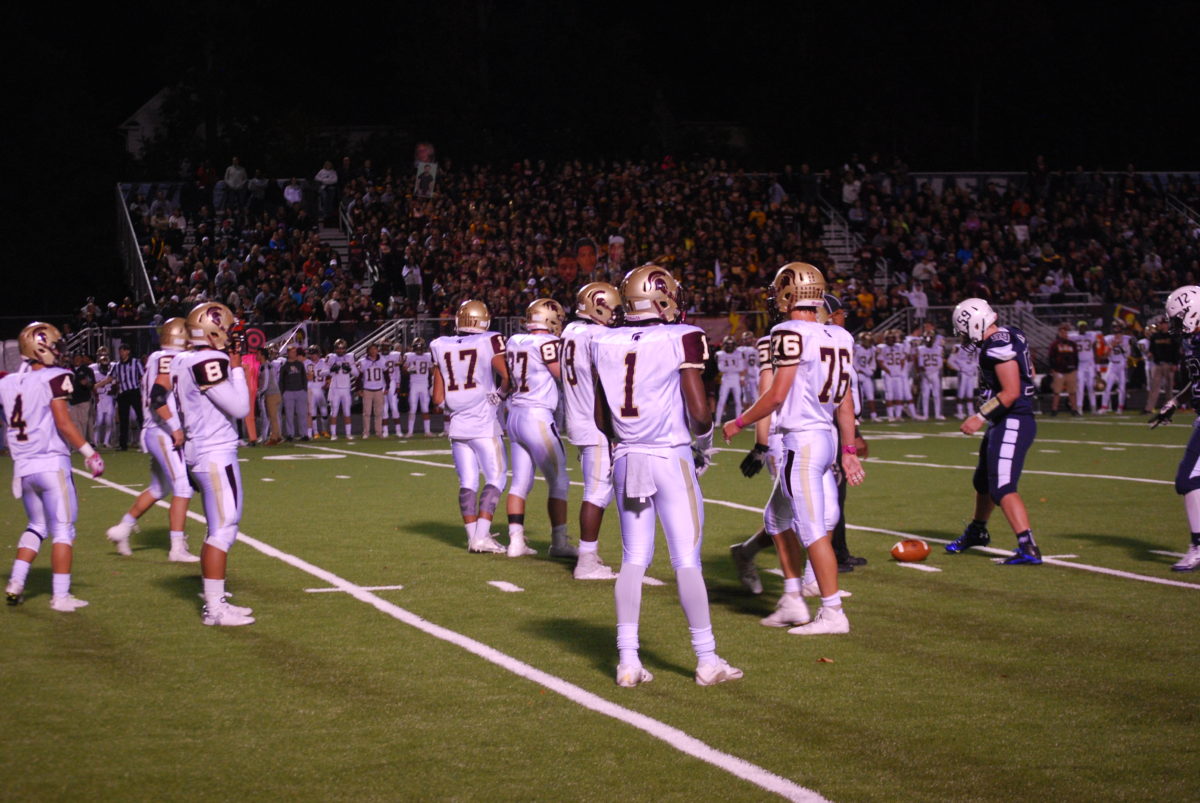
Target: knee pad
489,499
30,540
222,538
63,533
466,502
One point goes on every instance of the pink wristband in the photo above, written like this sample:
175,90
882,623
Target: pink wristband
850,449
739,423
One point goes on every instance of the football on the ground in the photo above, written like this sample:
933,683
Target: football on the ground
910,550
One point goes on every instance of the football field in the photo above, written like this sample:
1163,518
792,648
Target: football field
387,663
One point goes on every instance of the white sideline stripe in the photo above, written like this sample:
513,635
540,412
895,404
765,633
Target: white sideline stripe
364,588
989,550
921,567
918,435
1030,471
1165,552
504,585
681,741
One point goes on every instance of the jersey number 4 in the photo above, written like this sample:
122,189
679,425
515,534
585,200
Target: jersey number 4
16,419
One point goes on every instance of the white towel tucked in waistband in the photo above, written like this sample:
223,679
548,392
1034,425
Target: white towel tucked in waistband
639,476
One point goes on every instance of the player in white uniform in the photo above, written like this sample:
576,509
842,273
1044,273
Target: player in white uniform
1143,347
894,357
930,359
814,370
749,350
393,361
343,370
534,369
731,366
316,374
465,367
597,305
1120,349
965,360
651,403
865,363
372,372
1086,378
418,364
210,389
40,436
105,391
162,439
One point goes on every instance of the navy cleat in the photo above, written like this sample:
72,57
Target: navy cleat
972,536
1026,555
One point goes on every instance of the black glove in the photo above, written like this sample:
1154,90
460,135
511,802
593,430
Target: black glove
237,342
1164,415
753,462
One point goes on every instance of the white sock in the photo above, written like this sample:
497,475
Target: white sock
20,571
834,602
178,539
483,527
693,597
516,531
412,420
426,423
214,592
61,584
792,586
628,597
1191,503
809,575
128,520
470,528
594,546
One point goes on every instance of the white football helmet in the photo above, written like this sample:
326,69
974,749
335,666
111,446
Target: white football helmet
1183,309
973,317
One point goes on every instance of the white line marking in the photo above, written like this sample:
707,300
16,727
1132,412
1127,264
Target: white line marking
342,476
778,572
1165,552
1049,451
364,588
652,581
921,567
917,456
990,550
1059,557
304,456
416,474
505,586
1113,448
1067,441
268,479
422,453
1030,471
681,741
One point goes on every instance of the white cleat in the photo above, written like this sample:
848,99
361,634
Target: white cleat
561,547
1190,561
713,673
333,437
517,548
180,554
225,615
814,590
241,610
788,611
119,535
630,676
747,571
14,593
827,622
591,567
487,543
67,603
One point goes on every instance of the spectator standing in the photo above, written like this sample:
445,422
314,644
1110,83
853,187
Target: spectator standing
293,381
128,373
327,179
411,274
272,397
235,185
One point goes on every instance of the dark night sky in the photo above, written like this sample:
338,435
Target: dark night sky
812,82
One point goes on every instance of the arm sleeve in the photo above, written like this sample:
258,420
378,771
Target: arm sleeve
231,396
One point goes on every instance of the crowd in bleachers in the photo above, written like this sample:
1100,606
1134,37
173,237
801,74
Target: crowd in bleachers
509,234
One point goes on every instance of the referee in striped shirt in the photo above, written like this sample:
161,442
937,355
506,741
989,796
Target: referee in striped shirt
128,373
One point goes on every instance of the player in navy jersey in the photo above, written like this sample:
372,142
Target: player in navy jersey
1006,367
1183,313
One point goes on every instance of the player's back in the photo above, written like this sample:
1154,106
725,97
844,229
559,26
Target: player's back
639,367
823,356
1006,344
465,363
579,393
529,355
207,428
31,434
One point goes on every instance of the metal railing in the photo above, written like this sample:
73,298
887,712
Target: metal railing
1180,208
131,252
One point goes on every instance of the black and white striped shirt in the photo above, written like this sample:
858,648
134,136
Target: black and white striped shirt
128,375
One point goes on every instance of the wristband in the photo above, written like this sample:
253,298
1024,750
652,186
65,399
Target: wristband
993,409
739,423
850,448
86,450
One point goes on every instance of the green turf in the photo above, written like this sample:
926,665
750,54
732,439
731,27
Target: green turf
980,682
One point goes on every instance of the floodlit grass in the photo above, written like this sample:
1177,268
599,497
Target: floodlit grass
977,682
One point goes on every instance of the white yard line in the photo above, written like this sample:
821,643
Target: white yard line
504,585
1165,552
1039,439
364,588
681,741
921,567
875,460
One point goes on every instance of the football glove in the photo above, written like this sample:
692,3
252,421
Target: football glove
95,464
1164,415
237,342
702,458
494,399
753,462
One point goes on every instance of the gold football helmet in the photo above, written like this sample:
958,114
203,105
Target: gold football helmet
208,325
41,342
340,343
545,313
599,302
173,334
473,317
650,292
798,285
418,345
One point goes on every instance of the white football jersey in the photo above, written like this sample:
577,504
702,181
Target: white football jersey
419,368
639,370
207,427
31,435
750,358
1118,351
102,372
465,363
158,364
1087,346
764,364
316,371
373,373
965,360
394,362
930,359
342,370
864,361
893,358
529,357
824,374
579,394
731,365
